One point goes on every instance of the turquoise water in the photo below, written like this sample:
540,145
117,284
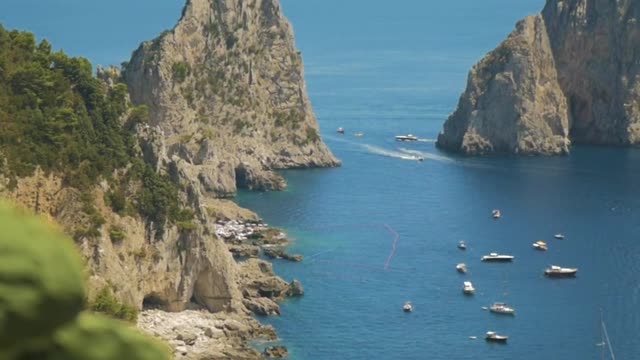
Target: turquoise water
387,69
339,217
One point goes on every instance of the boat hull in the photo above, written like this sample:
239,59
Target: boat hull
502,312
566,274
497,259
500,339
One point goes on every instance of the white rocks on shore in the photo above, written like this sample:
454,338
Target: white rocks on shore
203,335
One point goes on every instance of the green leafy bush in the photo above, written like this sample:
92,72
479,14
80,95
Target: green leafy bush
180,71
106,303
116,234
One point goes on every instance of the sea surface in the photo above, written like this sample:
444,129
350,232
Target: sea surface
383,228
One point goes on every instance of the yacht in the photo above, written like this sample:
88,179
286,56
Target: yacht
540,245
407,307
462,245
462,268
496,214
495,337
557,271
502,308
559,236
340,130
495,257
468,288
359,135
409,137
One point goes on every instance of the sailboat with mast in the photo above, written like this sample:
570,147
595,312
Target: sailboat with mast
605,343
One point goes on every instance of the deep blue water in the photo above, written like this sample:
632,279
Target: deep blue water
384,69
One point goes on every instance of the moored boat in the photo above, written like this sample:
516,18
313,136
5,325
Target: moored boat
409,137
502,308
540,245
495,257
558,271
359,134
462,245
467,288
407,307
495,337
462,268
559,236
496,214
340,130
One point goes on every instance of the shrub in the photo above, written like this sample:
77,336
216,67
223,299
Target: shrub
106,303
180,71
116,234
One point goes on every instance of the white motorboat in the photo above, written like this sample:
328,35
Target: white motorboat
462,268
502,308
407,307
359,135
409,137
467,288
540,245
340,130
495,257
557,271
496,214
559,236
495,337
462,245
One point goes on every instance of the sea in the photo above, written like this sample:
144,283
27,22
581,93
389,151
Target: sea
383,228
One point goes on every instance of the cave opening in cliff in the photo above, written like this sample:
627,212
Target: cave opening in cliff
154,302
241,177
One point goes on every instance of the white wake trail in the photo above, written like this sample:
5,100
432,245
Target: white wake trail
425,155
389,153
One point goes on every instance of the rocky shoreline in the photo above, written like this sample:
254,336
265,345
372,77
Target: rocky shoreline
198,334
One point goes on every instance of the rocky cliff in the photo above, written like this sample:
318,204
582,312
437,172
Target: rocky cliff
567,75
227,105
227,87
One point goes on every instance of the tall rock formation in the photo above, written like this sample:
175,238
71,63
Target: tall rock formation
227,87
567,75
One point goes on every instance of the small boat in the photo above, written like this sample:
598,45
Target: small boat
359,135
409,137
540,245
559,236
495,337
340,130
557,271
462,245
495,257
468,288
496,214
462,268
407,307
502,308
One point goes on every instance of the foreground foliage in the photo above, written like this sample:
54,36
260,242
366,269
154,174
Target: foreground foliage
42,300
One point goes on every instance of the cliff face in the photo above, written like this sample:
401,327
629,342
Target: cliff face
567,75
227,87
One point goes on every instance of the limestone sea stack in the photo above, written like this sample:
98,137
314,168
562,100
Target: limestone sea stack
568,75
227,87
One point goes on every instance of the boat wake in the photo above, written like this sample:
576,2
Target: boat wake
425,155
389,153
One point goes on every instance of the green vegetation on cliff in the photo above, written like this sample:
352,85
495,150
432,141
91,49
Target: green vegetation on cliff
56,115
